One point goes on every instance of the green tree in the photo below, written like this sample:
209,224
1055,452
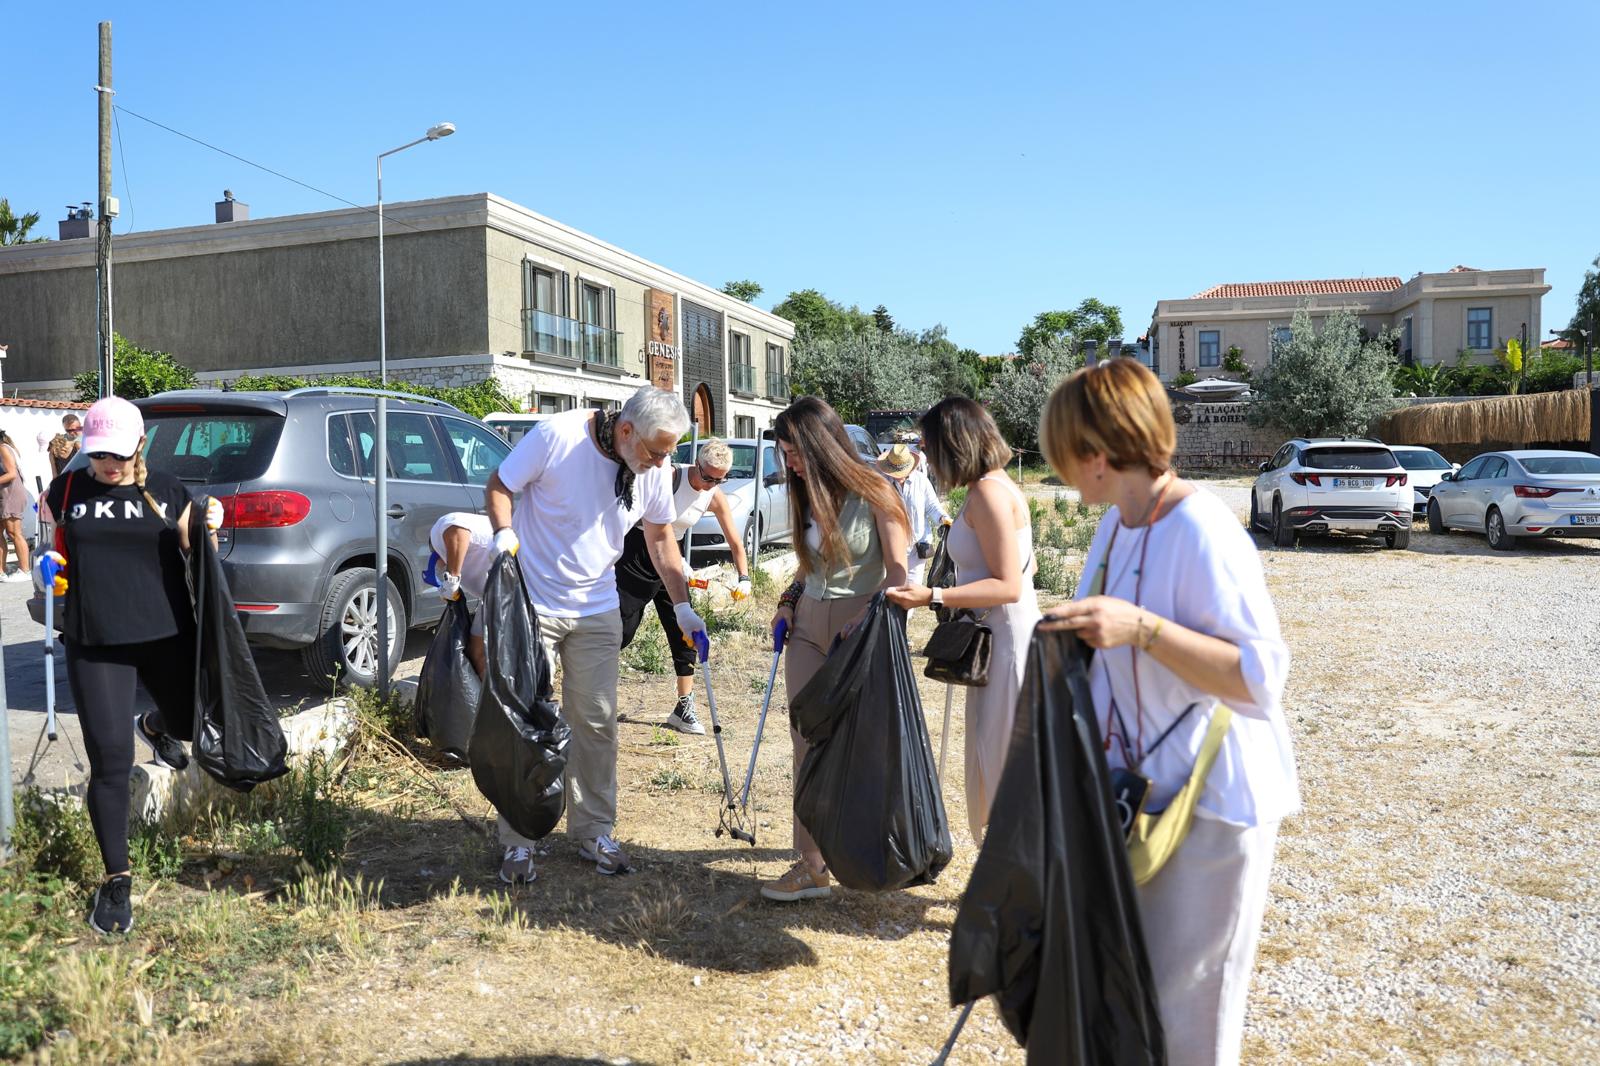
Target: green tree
14,228
136,372
478,400
1091,320
1017,395
857,372
819,316
1587,314
882,319
746,290
1330,383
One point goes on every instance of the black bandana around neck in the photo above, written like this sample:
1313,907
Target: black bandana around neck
605,435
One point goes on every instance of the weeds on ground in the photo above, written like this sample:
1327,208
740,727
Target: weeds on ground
648,652
1053,575
955,499
762,584
728,618
669,780
662,737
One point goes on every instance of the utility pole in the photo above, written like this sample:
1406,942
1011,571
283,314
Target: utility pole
108,211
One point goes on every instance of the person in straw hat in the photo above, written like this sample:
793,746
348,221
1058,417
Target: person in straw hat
927,515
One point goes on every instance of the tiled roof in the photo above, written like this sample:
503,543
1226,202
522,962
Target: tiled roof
54,405
1326,287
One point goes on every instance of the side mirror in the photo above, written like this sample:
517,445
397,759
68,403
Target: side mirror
775,478
1451,476
1264,467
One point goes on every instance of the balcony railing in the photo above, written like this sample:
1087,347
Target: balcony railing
777,385
601,346
744,378
547,334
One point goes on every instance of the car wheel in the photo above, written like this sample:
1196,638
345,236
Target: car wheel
1400,538
347,633
1495,527
1255,512
1435,519
750,538
1282,532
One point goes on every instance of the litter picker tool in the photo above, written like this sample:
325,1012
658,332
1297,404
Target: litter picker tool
779,633
944,734
731,818
950,1044
49,568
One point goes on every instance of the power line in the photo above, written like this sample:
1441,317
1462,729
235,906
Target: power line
127,185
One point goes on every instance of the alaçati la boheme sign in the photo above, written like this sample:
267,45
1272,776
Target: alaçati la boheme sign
660,346
1211,414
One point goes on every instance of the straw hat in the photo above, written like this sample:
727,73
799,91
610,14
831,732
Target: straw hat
897,462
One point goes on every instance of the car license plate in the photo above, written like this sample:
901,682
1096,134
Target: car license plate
1354,482
1586,519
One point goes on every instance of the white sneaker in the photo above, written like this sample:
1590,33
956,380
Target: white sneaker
17,577
607,856
683,719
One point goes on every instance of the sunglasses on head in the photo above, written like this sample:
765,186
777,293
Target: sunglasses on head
102,456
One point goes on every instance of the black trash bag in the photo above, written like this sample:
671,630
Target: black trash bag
237,738
867,789
448,688
1049,923
519,741
941,572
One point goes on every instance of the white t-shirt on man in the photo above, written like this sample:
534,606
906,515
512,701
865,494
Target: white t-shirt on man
480,548
568,517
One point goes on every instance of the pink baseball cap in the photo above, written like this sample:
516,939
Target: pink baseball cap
112,425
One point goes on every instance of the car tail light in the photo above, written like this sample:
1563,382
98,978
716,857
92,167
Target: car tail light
1536,492
1301,479
264,510
1391,480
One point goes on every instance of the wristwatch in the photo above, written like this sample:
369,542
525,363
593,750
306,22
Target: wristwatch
937,597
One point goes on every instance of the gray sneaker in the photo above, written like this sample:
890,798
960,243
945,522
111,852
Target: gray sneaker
113,909
607,856
683,719
516,867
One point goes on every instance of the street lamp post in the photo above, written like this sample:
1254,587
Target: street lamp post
381,428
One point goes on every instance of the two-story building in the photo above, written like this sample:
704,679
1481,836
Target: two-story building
476,286
1436,317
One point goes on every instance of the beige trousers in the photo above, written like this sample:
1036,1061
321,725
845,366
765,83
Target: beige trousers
816,623
1202,921
589,653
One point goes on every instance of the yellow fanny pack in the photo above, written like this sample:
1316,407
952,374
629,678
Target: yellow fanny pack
1155,838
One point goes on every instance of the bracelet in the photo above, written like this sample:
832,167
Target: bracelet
791,595
1154,633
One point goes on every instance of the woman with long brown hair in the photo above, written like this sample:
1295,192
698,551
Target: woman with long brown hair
852,544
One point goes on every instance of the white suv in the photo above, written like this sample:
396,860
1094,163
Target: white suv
1332,485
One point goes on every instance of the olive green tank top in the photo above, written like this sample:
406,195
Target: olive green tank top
864,572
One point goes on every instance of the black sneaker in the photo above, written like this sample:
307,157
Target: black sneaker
113,909
168,751
683,719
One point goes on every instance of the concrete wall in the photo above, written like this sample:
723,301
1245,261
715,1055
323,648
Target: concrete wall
1220,435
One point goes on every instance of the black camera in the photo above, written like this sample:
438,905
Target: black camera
1129,790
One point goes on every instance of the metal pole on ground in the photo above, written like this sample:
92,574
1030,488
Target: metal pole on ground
105,215
8,811
694,457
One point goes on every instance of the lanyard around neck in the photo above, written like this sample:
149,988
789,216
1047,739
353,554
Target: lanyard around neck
1113,716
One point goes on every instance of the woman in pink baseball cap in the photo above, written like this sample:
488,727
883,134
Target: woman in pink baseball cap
125,531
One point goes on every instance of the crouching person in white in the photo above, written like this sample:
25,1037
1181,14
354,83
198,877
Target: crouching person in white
1175,601
581,480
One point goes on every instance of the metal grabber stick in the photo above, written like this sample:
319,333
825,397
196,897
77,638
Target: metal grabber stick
728,819
779,633
49,568
944,737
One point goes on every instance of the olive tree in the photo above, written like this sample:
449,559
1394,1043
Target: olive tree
1332,382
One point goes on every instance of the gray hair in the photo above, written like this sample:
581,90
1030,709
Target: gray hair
652,411
715,454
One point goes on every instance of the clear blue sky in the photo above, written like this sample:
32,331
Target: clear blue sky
964,164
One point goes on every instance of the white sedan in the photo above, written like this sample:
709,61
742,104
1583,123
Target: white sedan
1427,468
1509,495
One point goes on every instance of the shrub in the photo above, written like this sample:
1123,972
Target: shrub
135,373
53,836
1327,383
478,400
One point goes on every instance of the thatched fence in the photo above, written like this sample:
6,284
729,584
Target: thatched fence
1537,418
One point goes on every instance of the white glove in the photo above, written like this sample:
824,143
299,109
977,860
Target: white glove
741,591
213,514
505,540
689,622
688,572
450,585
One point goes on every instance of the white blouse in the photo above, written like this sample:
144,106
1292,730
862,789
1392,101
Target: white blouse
1203,572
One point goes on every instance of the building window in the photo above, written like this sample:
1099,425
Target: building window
1480,327
553,403
1405,341
744,426
741,375
777,373
597,308
1281,335
547,328
1210,347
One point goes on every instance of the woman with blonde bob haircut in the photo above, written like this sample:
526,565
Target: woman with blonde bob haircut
991,544
850,534
1174,601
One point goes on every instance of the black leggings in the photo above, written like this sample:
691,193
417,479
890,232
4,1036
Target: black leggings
102,678
638,586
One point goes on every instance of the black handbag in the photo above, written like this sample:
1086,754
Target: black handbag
959,651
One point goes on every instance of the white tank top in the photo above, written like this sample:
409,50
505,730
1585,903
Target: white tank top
688,503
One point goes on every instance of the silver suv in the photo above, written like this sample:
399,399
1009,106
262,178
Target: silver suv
294,472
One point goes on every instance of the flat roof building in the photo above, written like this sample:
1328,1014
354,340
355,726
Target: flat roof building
477,286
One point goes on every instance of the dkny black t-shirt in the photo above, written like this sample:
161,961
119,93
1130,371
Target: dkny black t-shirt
125,569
